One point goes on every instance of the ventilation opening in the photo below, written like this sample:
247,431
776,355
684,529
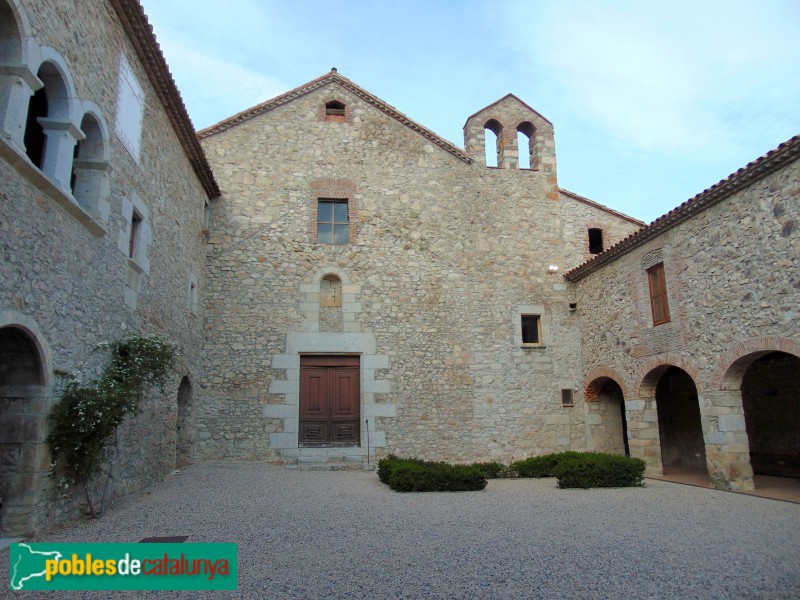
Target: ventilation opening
566,398
334,111
595,241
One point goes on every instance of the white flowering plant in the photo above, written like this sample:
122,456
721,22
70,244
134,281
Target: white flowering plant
87,416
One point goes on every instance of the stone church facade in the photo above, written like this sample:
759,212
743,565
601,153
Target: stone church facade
343,283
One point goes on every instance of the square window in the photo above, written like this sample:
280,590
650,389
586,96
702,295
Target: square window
531,330
566,398
333,221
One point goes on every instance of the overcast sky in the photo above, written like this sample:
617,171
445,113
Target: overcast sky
652,101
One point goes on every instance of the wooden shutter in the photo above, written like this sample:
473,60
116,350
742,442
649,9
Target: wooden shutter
658,295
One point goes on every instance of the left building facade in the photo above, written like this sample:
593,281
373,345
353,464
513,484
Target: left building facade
104,197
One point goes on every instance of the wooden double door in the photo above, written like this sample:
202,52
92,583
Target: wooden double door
330,401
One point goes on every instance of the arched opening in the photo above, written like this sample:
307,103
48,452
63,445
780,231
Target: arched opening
613,403
330,303
492,130
21,436
608,425
50,134
679,424
89,167
334,111
184,438
771,402
34,132
525,144
10,38
17,81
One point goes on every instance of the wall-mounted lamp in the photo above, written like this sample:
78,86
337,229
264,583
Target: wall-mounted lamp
553,268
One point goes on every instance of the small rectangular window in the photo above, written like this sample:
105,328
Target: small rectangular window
531,330
333,221
136,223
658,294
595,240
566,398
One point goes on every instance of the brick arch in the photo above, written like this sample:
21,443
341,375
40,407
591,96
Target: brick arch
335,97
597,378
652,371
732,365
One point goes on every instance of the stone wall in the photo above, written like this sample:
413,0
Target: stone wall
444,257
732,284
67,281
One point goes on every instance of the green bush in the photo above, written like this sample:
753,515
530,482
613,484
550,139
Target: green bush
541,466
414,475
387,466
595,469
495,470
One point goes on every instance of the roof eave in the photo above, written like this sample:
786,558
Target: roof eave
772,161
327,79
140,32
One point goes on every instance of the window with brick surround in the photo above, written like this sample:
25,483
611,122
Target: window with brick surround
658,294
531,330
333,221
595,240
334,111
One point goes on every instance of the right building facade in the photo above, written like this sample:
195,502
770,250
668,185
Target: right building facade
693,321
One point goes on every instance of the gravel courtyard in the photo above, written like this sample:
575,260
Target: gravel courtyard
309,535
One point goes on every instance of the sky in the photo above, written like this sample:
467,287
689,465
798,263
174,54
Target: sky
652,101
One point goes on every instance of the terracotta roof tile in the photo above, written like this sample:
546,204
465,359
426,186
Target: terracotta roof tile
616,213
140,32
330,78
773,160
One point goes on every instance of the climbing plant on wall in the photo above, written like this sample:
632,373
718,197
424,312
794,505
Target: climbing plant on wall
86,418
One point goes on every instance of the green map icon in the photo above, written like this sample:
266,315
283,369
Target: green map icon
28,564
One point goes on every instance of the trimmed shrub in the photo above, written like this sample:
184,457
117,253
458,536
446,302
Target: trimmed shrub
495,470
541,466
414,475
595,469
387,466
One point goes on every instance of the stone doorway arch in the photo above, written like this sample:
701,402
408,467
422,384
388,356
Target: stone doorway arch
770,389
24,458
606,419
679,422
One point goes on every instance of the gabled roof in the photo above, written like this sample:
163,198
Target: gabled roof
533,110
333,77
772,161
599,206
139,31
